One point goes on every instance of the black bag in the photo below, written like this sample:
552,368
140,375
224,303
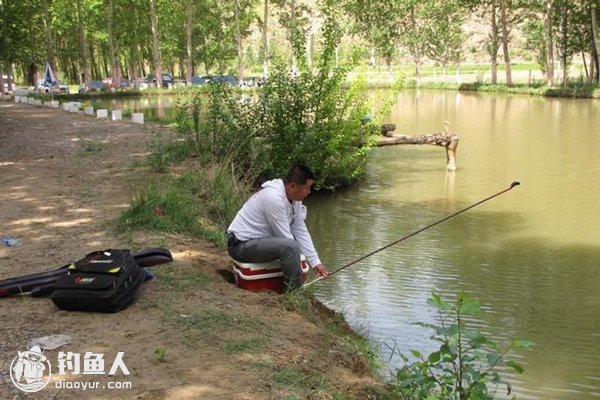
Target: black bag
42,283
103,281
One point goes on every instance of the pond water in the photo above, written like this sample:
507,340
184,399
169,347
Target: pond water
531,255
152,106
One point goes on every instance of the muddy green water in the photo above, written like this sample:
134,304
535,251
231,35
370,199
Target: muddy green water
531,256
152,106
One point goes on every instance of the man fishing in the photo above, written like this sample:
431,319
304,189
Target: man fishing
271,226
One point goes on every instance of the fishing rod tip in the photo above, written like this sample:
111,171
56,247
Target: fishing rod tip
515,183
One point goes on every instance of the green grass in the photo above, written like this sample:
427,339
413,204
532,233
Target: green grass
170,278
163,208
575,90
242,346
166,152
160,353
89,148
195,203
205,327
429,70
300,382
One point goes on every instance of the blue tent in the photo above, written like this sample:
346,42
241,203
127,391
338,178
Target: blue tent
49,78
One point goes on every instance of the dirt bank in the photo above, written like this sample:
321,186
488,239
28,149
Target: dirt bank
191,334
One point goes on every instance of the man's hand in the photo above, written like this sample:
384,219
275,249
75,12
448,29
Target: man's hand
321,271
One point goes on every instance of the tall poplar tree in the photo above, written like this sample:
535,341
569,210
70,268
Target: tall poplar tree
155,44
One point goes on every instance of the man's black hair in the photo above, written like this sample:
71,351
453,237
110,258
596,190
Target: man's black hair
299,174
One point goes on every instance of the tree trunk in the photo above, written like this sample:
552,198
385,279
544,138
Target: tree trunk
93,62
549,43
494,45
414,48
73,70
189,66
593,67
114,64
82,47
585,68
293,31
417,71
504,25
445,139
133,53
3,19
48,31
594,11
238,37
564,59
32,73
105,62
309,48
372,58
266,39
155,44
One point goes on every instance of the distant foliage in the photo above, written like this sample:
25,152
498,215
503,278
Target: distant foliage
311,117
535,42
464,366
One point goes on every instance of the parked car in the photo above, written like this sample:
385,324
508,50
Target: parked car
204,79
45,87
95,86
139,83
167,80
201,80
226,79
125,83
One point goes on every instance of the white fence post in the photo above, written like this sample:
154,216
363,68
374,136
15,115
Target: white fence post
137,118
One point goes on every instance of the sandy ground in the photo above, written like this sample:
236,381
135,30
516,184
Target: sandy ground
191,334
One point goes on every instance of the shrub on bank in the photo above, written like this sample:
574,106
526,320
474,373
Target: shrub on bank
465,367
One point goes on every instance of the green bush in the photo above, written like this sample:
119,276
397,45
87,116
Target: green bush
464,367
314,119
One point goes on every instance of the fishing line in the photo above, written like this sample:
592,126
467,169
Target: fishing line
512,185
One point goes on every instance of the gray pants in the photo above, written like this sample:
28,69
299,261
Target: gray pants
269,249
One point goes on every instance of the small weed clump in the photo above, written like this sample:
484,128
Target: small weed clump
89,148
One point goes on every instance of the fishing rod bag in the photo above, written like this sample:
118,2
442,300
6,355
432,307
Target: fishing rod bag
41,284
103,281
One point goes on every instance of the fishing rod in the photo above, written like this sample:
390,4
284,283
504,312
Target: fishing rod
512,185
